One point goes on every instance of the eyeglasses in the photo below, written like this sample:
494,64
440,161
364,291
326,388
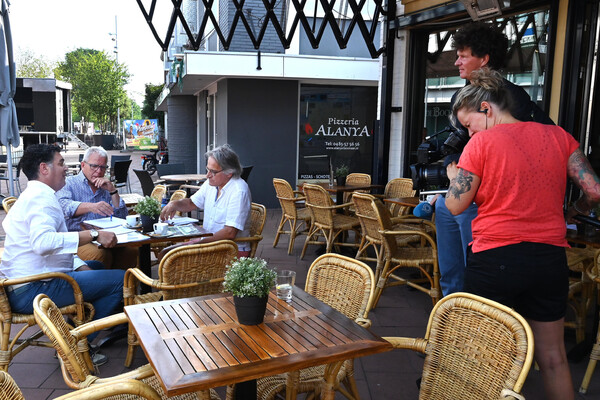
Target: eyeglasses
96,166
212,171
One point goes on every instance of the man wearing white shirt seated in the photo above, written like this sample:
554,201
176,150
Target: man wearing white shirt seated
226,201
37,241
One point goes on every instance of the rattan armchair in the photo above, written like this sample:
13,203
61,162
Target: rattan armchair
290,213
475,349
111,391
371,230
158,192
348,286
423,257
356,178
395,188
185,271
258,216
72,349
79,312
326,220
8,202
593,273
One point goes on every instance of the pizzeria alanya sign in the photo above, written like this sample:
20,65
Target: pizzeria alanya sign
342,127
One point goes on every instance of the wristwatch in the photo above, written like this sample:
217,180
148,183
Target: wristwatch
94,234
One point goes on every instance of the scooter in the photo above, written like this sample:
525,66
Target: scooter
149,161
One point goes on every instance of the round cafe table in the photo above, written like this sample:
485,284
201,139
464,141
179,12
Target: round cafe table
186,178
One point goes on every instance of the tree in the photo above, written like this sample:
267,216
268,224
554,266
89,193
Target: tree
148,111
31,65
98,84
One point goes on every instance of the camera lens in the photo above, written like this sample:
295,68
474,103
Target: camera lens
424,175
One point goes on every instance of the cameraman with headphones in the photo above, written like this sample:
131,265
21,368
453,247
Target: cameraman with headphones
477,45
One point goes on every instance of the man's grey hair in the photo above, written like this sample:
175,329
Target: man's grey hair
95,150
227,159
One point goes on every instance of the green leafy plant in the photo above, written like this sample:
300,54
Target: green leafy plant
341,171
249,277
148,206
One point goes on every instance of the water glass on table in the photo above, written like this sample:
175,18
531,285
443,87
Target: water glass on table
285,281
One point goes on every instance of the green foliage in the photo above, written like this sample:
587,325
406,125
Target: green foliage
98,84
148,112
148,206
341,170
249,277
31,65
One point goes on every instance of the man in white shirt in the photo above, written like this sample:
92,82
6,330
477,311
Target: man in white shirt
226,201
37,241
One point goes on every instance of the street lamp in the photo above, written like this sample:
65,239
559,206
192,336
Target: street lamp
116,51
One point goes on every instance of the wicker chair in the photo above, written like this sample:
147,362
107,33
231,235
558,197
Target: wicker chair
371,234
475,348
8,202
72,349
185,271
593,274
79,312
397,257
258,216
356,178
159,192
346,285
290,213
110,391
326,220
399,187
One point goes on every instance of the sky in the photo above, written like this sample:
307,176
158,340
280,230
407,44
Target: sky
52,28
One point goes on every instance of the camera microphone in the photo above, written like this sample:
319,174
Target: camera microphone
446,129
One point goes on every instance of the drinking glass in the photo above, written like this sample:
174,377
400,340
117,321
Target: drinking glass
284,283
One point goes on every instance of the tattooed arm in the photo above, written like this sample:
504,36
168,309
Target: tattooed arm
581,173
462,190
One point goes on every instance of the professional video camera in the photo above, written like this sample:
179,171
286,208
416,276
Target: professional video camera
429,171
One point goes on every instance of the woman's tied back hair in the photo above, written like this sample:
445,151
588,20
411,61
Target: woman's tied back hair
486,85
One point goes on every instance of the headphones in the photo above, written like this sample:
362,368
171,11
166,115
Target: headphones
485,111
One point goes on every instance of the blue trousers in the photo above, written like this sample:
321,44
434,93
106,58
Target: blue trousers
102,288
453,236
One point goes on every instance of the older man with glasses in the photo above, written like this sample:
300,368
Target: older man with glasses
226,200
91,195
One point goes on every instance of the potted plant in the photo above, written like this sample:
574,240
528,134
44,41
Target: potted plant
149,210
340,174
249,280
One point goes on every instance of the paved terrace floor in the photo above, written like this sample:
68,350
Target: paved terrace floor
401,312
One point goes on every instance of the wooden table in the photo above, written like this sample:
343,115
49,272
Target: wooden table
185,178
144,256
340,189
196,343
404,201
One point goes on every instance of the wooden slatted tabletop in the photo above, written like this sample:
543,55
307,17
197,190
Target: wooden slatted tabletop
195,344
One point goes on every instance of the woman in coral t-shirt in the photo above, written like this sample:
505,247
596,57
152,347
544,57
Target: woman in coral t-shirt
516,172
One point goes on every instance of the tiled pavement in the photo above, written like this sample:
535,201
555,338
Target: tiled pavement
401,312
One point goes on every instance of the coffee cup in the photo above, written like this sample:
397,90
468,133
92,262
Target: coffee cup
132,220
160,228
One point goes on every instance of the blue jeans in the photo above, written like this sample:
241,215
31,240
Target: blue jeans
102,288
453,236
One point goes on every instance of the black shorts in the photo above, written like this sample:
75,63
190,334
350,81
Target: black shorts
532,278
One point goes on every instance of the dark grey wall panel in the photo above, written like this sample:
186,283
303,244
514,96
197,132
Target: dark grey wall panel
262,129
182,124
44,111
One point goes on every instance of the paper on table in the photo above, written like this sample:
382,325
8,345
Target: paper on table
133,236
183,220
119,230
105,222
